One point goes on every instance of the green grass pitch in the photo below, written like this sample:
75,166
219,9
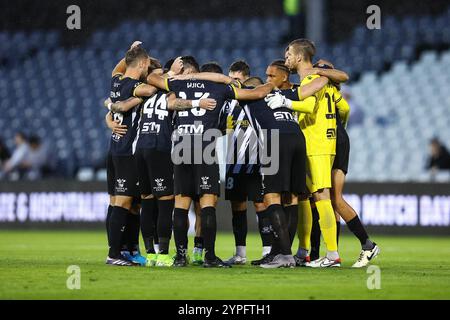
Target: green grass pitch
33,265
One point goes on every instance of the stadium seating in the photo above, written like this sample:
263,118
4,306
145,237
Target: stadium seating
404,109
57,92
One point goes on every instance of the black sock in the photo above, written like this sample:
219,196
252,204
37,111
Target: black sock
209,230
239,222
280,230
198,242
155,223
164,226
315,236
358,230
117,226
292,220
148,210
180,230
338,231
108,218
133,224
265,230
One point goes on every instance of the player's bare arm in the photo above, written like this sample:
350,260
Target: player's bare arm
178,104
254,94
311,88
120,68
334,75
116,127
208,76
122,106
145,90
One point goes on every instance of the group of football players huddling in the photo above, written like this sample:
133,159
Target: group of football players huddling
286,150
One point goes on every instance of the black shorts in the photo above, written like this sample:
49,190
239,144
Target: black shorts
122,176
291,174
243,187
195,180
155,170
342,150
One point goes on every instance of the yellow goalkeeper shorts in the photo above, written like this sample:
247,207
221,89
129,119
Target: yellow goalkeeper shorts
319,172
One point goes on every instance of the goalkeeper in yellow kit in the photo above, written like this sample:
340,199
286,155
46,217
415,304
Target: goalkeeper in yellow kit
319,128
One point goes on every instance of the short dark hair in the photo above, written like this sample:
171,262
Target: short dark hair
253,82
168,64
211,67
134,55
190,62
305,47
240,66
279,64
34,140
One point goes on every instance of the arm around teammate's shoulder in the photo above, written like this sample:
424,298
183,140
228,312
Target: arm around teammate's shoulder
311,88
253,94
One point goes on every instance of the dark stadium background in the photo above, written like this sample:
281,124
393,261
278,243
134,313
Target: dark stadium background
54,79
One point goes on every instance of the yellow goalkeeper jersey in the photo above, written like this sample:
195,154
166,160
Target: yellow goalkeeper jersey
319,127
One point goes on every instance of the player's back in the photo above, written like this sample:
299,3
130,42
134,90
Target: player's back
198,120
242,149
282,119
319,127
156,125
123,88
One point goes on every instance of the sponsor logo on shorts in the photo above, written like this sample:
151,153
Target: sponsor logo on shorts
159,185
205,185
120,186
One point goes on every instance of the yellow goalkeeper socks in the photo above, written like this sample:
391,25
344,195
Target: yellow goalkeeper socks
327,222
304,226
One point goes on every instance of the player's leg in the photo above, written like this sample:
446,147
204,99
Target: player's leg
265,232
274,185
209,231
148,204
338,224
303,209
160,169
281,246
369,249
108,217
148,210
320,168
131,235
184,191
315,233
304,228
110,183
180,228
197,252
290,205
239,223
117,226
206,183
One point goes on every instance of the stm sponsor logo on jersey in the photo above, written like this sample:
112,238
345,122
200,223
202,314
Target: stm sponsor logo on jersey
190,129
195,85
284,116
159,185
120,186
205,185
